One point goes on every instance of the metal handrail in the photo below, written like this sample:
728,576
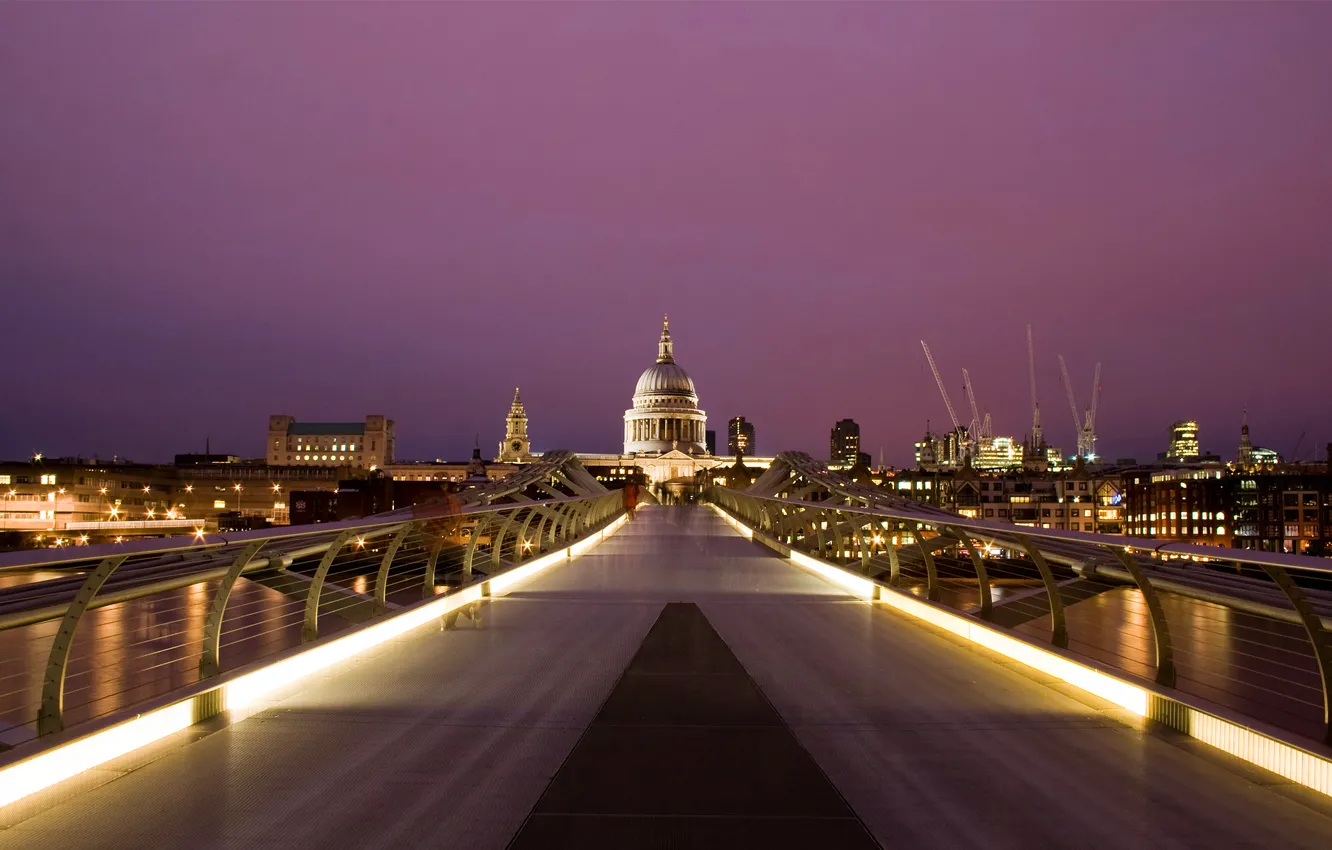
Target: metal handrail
850,534
413,542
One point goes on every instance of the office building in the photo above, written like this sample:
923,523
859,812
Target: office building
341,445
844,444
740,437
1183,441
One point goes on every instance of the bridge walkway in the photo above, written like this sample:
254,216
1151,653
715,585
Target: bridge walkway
499,730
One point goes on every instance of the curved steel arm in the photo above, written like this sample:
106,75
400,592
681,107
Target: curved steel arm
1165,654
982,574
50,716
381,577
481,525
497,544
1313,627
1058,629
428,586
209,663
310,627
521,543
931,574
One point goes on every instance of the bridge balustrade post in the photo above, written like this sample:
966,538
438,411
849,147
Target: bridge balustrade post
1058,628
498,543
931,574
521,542
209,662
483,523
434,547
982,574
866,545
1165,655
820,520
579,518
539,539
568,513
50,715
556,518
1317,634
894,566
310,626
381,576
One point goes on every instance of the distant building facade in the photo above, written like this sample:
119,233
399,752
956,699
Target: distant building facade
740,437
844,444
353,445
1183,441
1282,509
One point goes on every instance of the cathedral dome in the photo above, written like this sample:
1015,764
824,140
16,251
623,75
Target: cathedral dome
665,379
665,415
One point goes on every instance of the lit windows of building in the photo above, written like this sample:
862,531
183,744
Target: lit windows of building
844,444
358,445
740,437
1183,441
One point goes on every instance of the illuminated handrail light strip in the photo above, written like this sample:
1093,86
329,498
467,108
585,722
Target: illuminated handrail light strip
46,768
1266,751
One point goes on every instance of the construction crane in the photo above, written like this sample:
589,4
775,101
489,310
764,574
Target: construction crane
1090,427
1037,438
1084,426
943,391
975,428
960,434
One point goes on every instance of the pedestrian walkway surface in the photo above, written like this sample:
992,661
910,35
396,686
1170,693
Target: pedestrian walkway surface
681,686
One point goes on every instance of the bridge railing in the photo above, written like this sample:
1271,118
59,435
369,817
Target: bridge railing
1241,629
91,630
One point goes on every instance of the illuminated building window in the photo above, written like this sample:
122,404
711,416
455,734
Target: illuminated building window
218,503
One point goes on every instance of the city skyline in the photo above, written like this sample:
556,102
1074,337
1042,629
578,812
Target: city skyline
413,209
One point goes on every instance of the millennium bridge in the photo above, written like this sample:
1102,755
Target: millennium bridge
807,662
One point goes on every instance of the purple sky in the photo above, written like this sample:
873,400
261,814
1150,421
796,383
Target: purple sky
210,213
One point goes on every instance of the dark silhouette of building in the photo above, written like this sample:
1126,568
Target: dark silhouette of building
844,444
710,440
740,437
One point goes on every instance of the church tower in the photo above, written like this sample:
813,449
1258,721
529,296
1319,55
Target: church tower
1246,444
515,446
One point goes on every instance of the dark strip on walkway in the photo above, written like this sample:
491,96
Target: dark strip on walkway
687,752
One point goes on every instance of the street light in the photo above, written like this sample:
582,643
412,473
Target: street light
237,488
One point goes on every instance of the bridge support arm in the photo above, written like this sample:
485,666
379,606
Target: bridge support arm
50,716
209,661
1058,628
982,574
1313,627
931,574
381,577
310,626
1165,654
